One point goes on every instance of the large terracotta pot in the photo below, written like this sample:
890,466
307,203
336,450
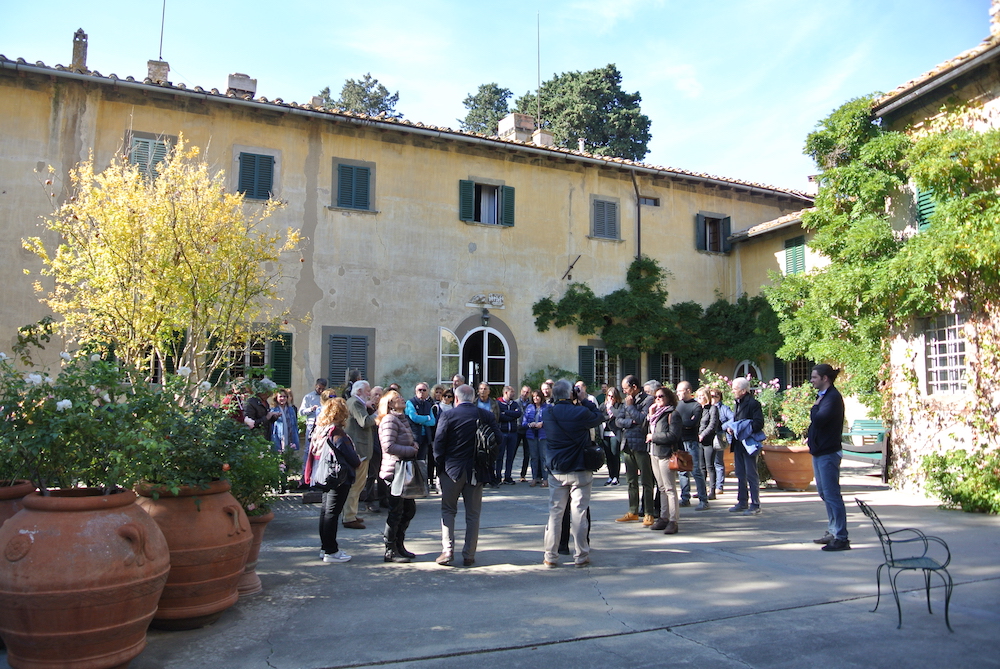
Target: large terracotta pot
80,576
249,583
209,539
729,461
11,494
790,464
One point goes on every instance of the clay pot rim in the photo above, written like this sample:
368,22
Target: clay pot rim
213,488
792,448
262,519
16,488
78,499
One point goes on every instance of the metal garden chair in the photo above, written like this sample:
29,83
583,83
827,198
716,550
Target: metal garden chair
892,547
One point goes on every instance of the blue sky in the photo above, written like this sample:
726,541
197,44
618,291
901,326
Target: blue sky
732,87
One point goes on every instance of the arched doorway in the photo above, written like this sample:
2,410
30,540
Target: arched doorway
485,357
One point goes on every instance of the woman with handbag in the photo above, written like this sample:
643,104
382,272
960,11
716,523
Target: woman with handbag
666,449
397,443
336,461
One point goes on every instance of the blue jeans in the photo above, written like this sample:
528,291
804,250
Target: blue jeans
694,448
826,470
747,478
539,468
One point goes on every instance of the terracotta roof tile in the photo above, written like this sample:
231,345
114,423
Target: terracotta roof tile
670,171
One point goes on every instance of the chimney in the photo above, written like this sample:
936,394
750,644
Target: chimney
79,51
581,144
158,71
542,138
241,85
995,18
516,126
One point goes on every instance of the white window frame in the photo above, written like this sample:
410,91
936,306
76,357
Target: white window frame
442,378
672,364
945,355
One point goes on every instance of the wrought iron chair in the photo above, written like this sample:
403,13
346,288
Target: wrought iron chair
891,547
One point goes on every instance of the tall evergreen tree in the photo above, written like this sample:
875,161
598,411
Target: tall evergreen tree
592,105
363,96
486,108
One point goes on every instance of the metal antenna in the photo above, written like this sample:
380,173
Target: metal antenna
163,20
538,60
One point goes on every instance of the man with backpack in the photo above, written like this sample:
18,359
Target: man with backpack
462,452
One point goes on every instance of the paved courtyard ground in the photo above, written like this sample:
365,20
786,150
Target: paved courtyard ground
727,591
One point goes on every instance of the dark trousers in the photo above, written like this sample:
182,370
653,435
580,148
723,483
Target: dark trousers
376,491
639,473
401,512
613,453
329,515
505,456
522,442
564,532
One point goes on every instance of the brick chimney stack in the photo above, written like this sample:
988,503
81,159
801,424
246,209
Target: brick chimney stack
995,18
79,51
159,70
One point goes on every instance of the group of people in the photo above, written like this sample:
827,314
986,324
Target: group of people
643,426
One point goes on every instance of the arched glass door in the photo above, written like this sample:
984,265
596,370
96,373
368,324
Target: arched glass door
485,357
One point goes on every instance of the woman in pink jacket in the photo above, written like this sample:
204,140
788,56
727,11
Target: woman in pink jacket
397,444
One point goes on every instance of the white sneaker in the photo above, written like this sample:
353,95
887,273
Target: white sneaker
339,556
322,554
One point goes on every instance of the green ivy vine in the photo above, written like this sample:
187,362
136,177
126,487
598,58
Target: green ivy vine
637,318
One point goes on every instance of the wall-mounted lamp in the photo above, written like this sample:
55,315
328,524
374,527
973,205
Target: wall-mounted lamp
486,317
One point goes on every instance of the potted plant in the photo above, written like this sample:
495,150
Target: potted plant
191,445
788,459
255,474
76,433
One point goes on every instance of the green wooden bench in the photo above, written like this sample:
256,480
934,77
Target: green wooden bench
873,448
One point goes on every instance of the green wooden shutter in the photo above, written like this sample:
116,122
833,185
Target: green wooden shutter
630,366
362,179
146,154
727,229
691,375
248,174
925,208
700,232
795,255
353,187
612,220
781,373
281,359
600,218
585,355
347,352
507,198
466,200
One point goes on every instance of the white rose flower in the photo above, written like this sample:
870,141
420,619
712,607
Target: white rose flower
62,405
184,371
34,379
49,380
3,356
106,397
205,385
65,356
95,357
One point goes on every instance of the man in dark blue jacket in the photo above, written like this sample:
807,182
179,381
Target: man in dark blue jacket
824,439
455,455
567,429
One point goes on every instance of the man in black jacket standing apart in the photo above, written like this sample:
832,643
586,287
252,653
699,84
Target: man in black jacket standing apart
824,439
455,455
567,430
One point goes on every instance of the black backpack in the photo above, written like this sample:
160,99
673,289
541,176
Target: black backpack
486,451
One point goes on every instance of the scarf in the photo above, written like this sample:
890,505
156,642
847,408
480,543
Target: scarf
655,413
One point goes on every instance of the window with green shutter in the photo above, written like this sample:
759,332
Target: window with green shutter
347,352
795,255
256,175
485,203
354,187
604,219
281,359
146,153
711,233
925,208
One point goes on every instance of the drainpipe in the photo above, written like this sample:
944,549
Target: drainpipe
638,217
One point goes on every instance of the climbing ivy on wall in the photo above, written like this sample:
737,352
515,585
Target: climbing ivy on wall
637,318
